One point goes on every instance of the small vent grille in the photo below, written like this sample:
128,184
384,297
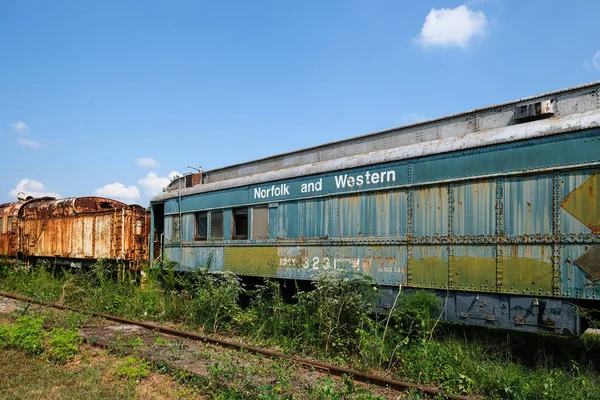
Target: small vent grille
535,111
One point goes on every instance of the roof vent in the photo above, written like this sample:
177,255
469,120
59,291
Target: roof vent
534,111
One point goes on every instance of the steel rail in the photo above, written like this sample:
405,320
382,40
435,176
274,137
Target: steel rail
318,365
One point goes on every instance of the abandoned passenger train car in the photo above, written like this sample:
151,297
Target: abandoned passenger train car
497,209
75,231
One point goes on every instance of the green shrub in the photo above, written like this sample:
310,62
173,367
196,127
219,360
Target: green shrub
27,334
63,345
134,368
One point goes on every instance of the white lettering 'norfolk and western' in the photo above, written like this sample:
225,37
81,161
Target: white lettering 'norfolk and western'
342,181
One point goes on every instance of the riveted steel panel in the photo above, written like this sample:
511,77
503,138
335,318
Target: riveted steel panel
474,208
570,181
528,205
386,264
288,223
429,266
251,261
576,283
475,268
314,218
527,270
199,257
353,216
583,203
388,213
431,211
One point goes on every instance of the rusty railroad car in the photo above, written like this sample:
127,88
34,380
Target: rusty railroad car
8,228
76,231
497,210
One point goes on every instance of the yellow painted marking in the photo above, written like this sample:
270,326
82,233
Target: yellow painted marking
583,203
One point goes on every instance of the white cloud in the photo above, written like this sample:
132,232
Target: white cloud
147,162
31,188
119,191
154,184
174,174
452,27
20,127
596,60
34,144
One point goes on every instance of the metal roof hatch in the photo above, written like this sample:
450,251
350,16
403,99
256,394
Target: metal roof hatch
535,111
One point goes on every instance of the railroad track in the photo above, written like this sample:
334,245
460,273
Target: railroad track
327,368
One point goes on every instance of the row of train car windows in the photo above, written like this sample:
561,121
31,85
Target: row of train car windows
209,225
8,225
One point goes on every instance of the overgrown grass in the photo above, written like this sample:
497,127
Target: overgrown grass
27,334
337,321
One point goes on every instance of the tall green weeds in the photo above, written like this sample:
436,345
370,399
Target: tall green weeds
338,320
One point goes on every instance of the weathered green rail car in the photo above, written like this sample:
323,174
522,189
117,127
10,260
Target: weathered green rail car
497,209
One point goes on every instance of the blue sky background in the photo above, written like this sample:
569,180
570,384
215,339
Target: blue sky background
88,88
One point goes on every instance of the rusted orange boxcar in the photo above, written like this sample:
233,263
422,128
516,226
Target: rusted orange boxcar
80,230
8,228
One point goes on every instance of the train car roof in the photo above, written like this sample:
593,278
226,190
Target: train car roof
572,108
49,206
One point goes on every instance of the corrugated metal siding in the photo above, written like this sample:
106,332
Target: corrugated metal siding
528,205
431,211
474,208
314,218
388,213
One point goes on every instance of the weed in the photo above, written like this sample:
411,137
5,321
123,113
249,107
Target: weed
160,341
337,321
63,345
134,369
27,334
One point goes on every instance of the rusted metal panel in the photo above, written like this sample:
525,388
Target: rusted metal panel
429,267
314,218
528,205
353,216
569,182
474,208
583,203
9,245
388,213
88,228
431,211
589,262
527,270
475,268
576,282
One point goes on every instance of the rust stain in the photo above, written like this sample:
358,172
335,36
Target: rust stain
583,204
9,228
77,228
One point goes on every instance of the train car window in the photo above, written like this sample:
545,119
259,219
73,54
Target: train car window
201,226
260,223
9,224
216,225
175,229
1,225
240,223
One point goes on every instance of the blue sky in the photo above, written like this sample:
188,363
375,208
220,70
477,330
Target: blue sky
87,89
